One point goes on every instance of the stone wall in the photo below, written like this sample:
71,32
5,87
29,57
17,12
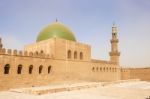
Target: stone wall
136,73
125,74
58,49
49,62
60,71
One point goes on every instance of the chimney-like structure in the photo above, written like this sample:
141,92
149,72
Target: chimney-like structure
114,54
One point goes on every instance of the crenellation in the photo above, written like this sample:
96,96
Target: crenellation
42,55
35,54
4,51
15,52
25,53
20,53
9,52
31,54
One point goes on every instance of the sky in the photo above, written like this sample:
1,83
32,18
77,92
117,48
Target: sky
90,21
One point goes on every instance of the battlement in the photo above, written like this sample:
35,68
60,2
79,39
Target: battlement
20,53
102,61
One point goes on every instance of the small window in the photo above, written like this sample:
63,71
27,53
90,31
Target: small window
6,69
42,52
30,69
107,69
97,68
36,53
19,69
104,68
81,55
49,69
93,68
75,55
100,68
40,69
69,54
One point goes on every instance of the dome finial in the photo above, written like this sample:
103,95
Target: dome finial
114,24
56,20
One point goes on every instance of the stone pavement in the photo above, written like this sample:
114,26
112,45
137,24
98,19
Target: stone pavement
87,90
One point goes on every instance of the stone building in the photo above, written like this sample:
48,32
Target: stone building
56,57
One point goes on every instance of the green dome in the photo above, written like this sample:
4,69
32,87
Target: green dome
57,30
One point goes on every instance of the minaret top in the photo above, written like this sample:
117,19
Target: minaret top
114,24
56,20
114,28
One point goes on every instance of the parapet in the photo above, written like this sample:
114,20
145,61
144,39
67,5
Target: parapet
102,61
20,53
2,51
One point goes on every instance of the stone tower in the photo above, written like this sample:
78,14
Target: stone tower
1,45
114,54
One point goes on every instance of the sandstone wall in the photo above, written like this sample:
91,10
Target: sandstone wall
136,73
50,64
58,48
61,70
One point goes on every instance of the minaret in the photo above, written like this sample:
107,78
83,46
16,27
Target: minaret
1,45
114,54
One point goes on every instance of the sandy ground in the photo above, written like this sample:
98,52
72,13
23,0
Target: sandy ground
126,90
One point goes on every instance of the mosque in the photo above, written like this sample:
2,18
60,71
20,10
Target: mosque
57,57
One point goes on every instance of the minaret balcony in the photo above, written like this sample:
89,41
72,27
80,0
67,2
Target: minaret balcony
116,53
114,41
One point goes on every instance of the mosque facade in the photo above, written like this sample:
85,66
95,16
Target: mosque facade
57,57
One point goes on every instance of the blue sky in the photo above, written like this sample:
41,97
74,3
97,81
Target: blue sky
90,20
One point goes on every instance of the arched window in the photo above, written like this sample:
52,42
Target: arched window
6,69
19,69
104,68
69,54
42,52
75,55
81,55
100,68
93,68
36,53
40,69
49,69
97,68
30,69
107,69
